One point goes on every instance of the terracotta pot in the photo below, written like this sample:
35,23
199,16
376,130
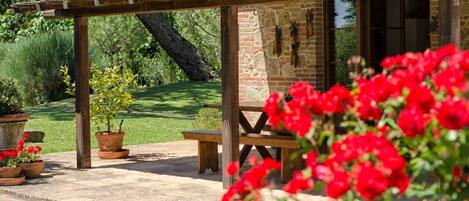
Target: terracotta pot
12,181
10,172
110,141
33,170
11,128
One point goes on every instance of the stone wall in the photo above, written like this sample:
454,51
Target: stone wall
261,71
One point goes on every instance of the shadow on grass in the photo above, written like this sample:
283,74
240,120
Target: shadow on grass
180,100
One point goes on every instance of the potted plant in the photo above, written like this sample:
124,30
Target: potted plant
110,87
12,119
28,159
9,169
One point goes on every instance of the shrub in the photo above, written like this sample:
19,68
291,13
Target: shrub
208,119
10,100
35,63
406,132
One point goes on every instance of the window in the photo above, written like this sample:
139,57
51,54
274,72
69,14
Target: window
341,37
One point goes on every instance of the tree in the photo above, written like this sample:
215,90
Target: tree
180,49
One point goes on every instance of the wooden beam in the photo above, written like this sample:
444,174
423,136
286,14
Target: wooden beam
82,102
119,7
450,22
230,88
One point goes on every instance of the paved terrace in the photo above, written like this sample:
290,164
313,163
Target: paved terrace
160,172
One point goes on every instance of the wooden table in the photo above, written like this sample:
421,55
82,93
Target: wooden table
249,106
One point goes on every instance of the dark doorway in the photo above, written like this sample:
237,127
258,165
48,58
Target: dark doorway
393,27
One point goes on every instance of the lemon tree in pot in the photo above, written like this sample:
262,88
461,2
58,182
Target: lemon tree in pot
110,95
12,119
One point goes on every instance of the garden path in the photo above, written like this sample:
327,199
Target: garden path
159,172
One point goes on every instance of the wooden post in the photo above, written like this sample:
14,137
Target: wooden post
82,102
450,22
230,88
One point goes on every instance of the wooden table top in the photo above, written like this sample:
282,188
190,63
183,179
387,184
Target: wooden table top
248,106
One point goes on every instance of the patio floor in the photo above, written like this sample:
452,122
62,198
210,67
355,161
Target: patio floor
162,172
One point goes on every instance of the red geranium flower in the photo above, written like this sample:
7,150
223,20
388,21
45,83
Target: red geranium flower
371,182
25,136
412,122
336,100
339,185
420,97
273,109
453,113
232,168
368,108
298,183
450,80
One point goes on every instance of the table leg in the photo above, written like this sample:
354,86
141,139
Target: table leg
243,121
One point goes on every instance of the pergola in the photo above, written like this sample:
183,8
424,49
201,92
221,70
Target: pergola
80,10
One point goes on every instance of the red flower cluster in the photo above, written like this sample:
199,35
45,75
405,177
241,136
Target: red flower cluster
8,154
298,183
296,115
453,113
421,93
251,181
349,164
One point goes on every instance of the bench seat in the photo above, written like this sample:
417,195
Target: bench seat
208,150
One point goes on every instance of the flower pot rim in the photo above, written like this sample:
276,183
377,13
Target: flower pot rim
18,117
101,133
38,161
10,167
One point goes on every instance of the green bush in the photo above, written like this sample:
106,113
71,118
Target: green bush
208,119
10,99
35,64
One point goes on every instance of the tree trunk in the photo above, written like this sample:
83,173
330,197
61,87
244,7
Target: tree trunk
181,50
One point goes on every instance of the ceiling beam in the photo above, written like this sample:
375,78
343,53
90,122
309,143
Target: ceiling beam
55,9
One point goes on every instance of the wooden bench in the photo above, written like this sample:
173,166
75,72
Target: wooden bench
208,149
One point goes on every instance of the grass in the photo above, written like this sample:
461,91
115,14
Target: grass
159,114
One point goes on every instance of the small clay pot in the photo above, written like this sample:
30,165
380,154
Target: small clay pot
7,172
33,170
12,181
110,141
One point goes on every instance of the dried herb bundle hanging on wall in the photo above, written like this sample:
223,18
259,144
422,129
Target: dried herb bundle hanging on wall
309,23
278,41
295,44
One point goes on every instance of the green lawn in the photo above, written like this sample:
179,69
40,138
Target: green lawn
159,114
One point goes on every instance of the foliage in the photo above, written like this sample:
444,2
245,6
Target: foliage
28,154
208,119
132,46
202,29
16,27
345,48
10,100
35,64
8,158
111,94
408,125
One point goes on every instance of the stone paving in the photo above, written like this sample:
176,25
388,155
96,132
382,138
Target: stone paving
160,172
